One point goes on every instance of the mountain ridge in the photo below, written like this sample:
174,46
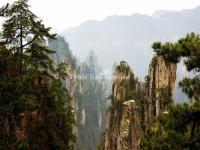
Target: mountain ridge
156,13
130,37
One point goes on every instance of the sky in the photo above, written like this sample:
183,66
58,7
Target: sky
62,14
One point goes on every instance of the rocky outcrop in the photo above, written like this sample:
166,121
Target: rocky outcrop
130,126
126,134
128,119
100,119
123,119
160,87
83,117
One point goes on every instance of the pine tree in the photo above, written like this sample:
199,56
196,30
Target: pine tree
175,130
180,128
37,107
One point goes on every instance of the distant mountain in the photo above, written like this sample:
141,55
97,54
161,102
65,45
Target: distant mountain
130,37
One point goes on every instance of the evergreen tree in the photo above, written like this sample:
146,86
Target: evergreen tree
36,108
180,128
177,130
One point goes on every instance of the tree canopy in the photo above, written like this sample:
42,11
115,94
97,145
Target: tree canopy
179,129
35,107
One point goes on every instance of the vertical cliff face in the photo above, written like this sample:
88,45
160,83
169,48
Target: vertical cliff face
90,101
160,86
123,119
134,104
45,117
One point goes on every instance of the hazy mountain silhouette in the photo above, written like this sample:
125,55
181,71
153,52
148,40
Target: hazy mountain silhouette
130,37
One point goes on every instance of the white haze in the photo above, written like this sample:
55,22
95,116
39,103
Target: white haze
62,14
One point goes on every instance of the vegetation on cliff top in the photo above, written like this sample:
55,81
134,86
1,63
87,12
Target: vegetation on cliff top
179,129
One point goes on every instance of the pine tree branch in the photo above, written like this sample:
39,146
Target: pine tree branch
3,9
30,41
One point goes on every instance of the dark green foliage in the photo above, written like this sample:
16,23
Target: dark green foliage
156,46
3,9
123,67
35,110
188,48
179,129
22,27
12,101
191,87
185,47
169,51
